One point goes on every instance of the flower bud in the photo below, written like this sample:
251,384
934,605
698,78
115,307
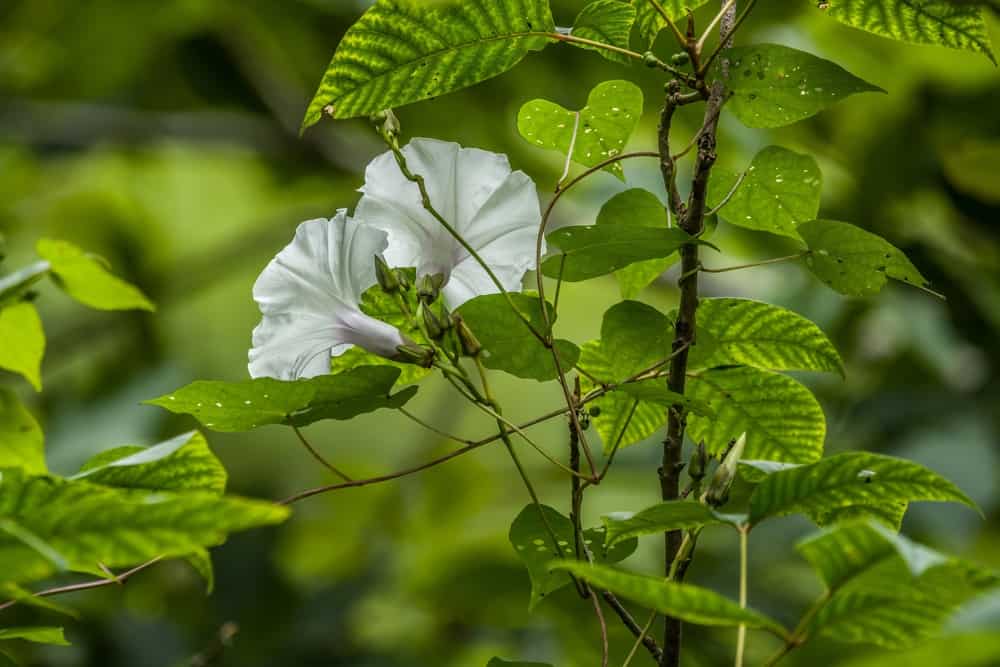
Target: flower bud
429,288
432,325
416,354
387,278
722,481
680,59
403,279
699,463
471,347
387,126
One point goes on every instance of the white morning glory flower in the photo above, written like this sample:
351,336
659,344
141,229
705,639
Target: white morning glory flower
309,297
494,209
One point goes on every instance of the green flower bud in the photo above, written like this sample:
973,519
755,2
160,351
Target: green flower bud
403,279
429,288
699,463
680,59
416,354
650,60
431,324
471,347
722,481
387,278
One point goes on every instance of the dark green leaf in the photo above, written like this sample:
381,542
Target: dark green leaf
672,515
86,278
23,342
22,444
589,251
637,208
607,22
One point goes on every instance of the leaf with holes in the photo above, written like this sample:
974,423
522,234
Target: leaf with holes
22,444
957,25
780,191
404,51
508,343
608,22
853,261
651,21
531,539
754,333
23,342
662,518
684,601
637,208
597,132
781,418
852,478
590,251
775,85
86,279
243,406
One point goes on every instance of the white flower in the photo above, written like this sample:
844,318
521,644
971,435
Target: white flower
309,297
496,212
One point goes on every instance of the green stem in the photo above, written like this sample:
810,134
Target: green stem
741,633
319,457
776,260
639,640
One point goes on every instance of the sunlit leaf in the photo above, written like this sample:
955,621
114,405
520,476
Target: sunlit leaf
650,21
671,515
637,208
607,22
86,278
22,443
36,635
23,342
589,251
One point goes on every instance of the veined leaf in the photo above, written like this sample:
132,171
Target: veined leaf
607,22
775,85
596,132
780,191
651,21
953,24
671,515
637,208
243,406
508,343
403,51
22,444
853,261
589,251
37,635
684,601
781,418
529,535
23,342
754,333
852,478
655,391
86,279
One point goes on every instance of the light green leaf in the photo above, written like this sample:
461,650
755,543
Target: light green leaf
888,514
201,561
754,333
607,22
589,251
23,443
852,478
671,515
958,25
243,406
853,261
403,51
650,21
684,601
775,85
507,342
602,128
780,191
781,418
23,342
37,635
184,463
756,471
86,278
529,535
497,662
637,208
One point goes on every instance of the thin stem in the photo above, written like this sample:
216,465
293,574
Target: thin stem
433,429
711,26
687,78
776,260
604,630
572,148
88,585
729,195
618,442
638,640
741,633
319,457
681,39
725,41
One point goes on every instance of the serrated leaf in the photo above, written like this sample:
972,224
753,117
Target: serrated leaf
590,251
780,191
36,635
23,443
671,515
23,342
184,463
602,128
529,535
243,406
87,280
944,22
754,333
781,418
775,85
851,478
403,51
650,21
853,261
509,344
607,22
684,601
637,208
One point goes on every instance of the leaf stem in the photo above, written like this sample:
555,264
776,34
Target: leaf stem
765,262
638,640
741,633
681,39
316,455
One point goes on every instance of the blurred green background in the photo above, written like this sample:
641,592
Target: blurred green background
164,137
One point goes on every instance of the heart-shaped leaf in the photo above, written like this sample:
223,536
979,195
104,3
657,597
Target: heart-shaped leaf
607,22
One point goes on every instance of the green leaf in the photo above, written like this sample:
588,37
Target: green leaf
775,85
87,280
853,261
23,342
25,597
684,601
14,286
529,535
602,128
37,635
201,561
671,515
888,514
852,478
944,22
497,662
780,191
637,208
655,391
88,524
754,333
23,444
781,418
403,51
607,22
243,406
184,463
509,344
589,251
650,21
